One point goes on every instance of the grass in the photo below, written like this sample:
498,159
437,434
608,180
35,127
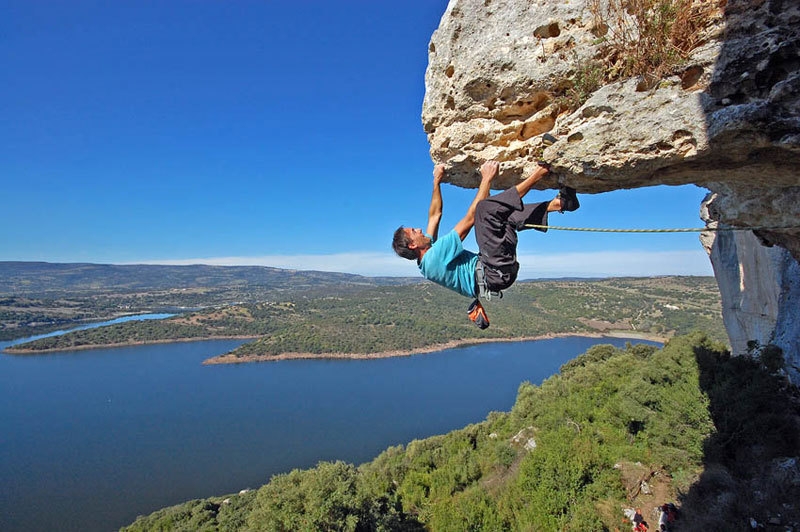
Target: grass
650,39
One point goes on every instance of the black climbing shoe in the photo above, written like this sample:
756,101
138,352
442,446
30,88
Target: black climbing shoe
569,200
548,139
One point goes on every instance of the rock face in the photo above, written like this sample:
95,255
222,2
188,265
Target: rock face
728,120
760,290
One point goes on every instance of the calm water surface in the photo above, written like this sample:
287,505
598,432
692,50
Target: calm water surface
91,439
134,317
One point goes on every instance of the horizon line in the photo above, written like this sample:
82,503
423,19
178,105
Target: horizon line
629,263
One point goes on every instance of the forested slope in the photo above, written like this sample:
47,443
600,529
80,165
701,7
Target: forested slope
399,318
571,455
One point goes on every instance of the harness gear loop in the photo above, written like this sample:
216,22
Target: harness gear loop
483,288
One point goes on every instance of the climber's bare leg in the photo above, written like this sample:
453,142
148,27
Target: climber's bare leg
525,186
554,205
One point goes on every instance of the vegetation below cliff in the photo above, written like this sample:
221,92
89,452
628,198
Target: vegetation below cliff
401,318
617,428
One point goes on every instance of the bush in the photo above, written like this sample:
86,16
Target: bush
609,409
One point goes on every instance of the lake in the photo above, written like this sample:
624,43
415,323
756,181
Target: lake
91,439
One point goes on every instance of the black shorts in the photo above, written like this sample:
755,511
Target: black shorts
497,220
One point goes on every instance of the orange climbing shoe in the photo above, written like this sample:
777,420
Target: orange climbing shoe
478,315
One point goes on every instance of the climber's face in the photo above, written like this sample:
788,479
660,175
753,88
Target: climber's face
416,238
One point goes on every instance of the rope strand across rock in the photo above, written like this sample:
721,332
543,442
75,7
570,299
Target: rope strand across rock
671,230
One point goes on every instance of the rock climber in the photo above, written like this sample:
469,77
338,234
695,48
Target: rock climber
639,524
667,516
496,219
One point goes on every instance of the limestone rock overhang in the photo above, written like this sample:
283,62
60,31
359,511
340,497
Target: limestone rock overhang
728,120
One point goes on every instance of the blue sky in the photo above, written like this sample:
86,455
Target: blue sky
282,133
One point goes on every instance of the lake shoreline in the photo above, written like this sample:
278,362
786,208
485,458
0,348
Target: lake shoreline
230,359
116,401
11,350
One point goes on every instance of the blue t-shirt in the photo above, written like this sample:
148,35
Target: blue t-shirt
447,263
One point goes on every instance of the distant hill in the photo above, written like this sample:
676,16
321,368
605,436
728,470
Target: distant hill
42,278
368,320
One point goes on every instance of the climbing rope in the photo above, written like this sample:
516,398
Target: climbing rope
673,230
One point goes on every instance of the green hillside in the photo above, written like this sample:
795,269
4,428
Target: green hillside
692,424
41,278
377,319
40,297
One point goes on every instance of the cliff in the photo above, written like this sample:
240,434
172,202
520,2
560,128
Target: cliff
722,113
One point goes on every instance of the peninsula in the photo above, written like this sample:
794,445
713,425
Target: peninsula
382,321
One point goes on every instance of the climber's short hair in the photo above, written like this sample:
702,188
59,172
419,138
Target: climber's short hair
400,244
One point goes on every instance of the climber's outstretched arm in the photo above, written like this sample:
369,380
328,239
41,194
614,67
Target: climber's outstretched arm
489,171
435,210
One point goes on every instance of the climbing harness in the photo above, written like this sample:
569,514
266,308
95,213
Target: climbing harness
674,230
476,312
483,288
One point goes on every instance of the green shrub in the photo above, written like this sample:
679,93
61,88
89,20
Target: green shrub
671,410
